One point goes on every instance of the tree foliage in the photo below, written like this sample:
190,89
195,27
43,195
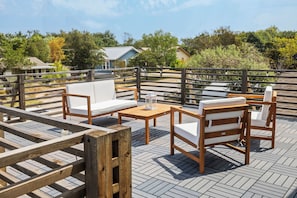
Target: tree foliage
56,52
13,53
106,39
287,48
245,56
160,50
37,46
82,44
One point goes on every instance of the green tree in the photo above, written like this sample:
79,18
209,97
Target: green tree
82,45
37,46
245,56
106,39
161,47
13,53
287,48
220,37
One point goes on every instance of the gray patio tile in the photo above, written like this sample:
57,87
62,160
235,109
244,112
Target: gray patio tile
268,190
181,192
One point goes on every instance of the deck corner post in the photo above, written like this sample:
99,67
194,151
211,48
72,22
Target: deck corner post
108,163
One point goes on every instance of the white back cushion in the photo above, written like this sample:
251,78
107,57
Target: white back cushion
85,88
223,115
104,90
220,102
267,98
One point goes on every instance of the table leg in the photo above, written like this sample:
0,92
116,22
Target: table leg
147,131
155,122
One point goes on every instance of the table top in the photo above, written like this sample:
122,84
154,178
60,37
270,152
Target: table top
141,112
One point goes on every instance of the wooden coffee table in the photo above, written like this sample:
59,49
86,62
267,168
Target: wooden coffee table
141,113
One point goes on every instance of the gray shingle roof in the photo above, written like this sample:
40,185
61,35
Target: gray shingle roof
114,53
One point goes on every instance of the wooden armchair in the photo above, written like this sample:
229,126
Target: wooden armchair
265,118
219,121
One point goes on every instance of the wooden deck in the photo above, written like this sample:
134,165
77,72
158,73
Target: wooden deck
155,173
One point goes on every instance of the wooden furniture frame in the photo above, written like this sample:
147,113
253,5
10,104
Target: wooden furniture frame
141,113
270,125
205,138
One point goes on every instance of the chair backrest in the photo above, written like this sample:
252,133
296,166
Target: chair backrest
266,98
224,119
85,88
104,90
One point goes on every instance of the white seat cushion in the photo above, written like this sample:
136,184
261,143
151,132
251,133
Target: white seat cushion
191,131
104,107
188,131
256,119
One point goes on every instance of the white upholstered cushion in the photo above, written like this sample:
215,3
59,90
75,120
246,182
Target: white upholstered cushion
104,90
190,131
267,98
220,102
256,119
104,107
85,88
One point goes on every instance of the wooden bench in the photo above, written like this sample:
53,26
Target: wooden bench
93,99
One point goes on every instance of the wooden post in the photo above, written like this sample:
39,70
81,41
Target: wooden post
22,98
244,81
91,75
183,86
108,163
138,81
2,149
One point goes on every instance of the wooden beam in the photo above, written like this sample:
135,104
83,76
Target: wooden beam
36,150
11,179
42,180
60,123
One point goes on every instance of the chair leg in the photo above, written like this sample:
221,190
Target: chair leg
202,152
171,143
273,139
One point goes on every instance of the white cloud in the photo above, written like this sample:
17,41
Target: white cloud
89,24
91,7
158,6
153,4
2,4
191,4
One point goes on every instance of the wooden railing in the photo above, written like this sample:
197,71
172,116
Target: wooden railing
41,92
88,161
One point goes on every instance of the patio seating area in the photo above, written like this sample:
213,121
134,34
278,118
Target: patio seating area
156,173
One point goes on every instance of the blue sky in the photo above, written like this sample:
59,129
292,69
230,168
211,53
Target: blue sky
182,18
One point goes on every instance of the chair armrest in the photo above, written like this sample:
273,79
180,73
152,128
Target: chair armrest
129,89
65,102
186,112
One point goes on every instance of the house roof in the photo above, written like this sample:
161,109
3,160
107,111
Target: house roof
114,53
37,64
37,61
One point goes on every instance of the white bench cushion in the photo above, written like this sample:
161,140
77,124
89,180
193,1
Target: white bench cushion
104,90
85,88
104,107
